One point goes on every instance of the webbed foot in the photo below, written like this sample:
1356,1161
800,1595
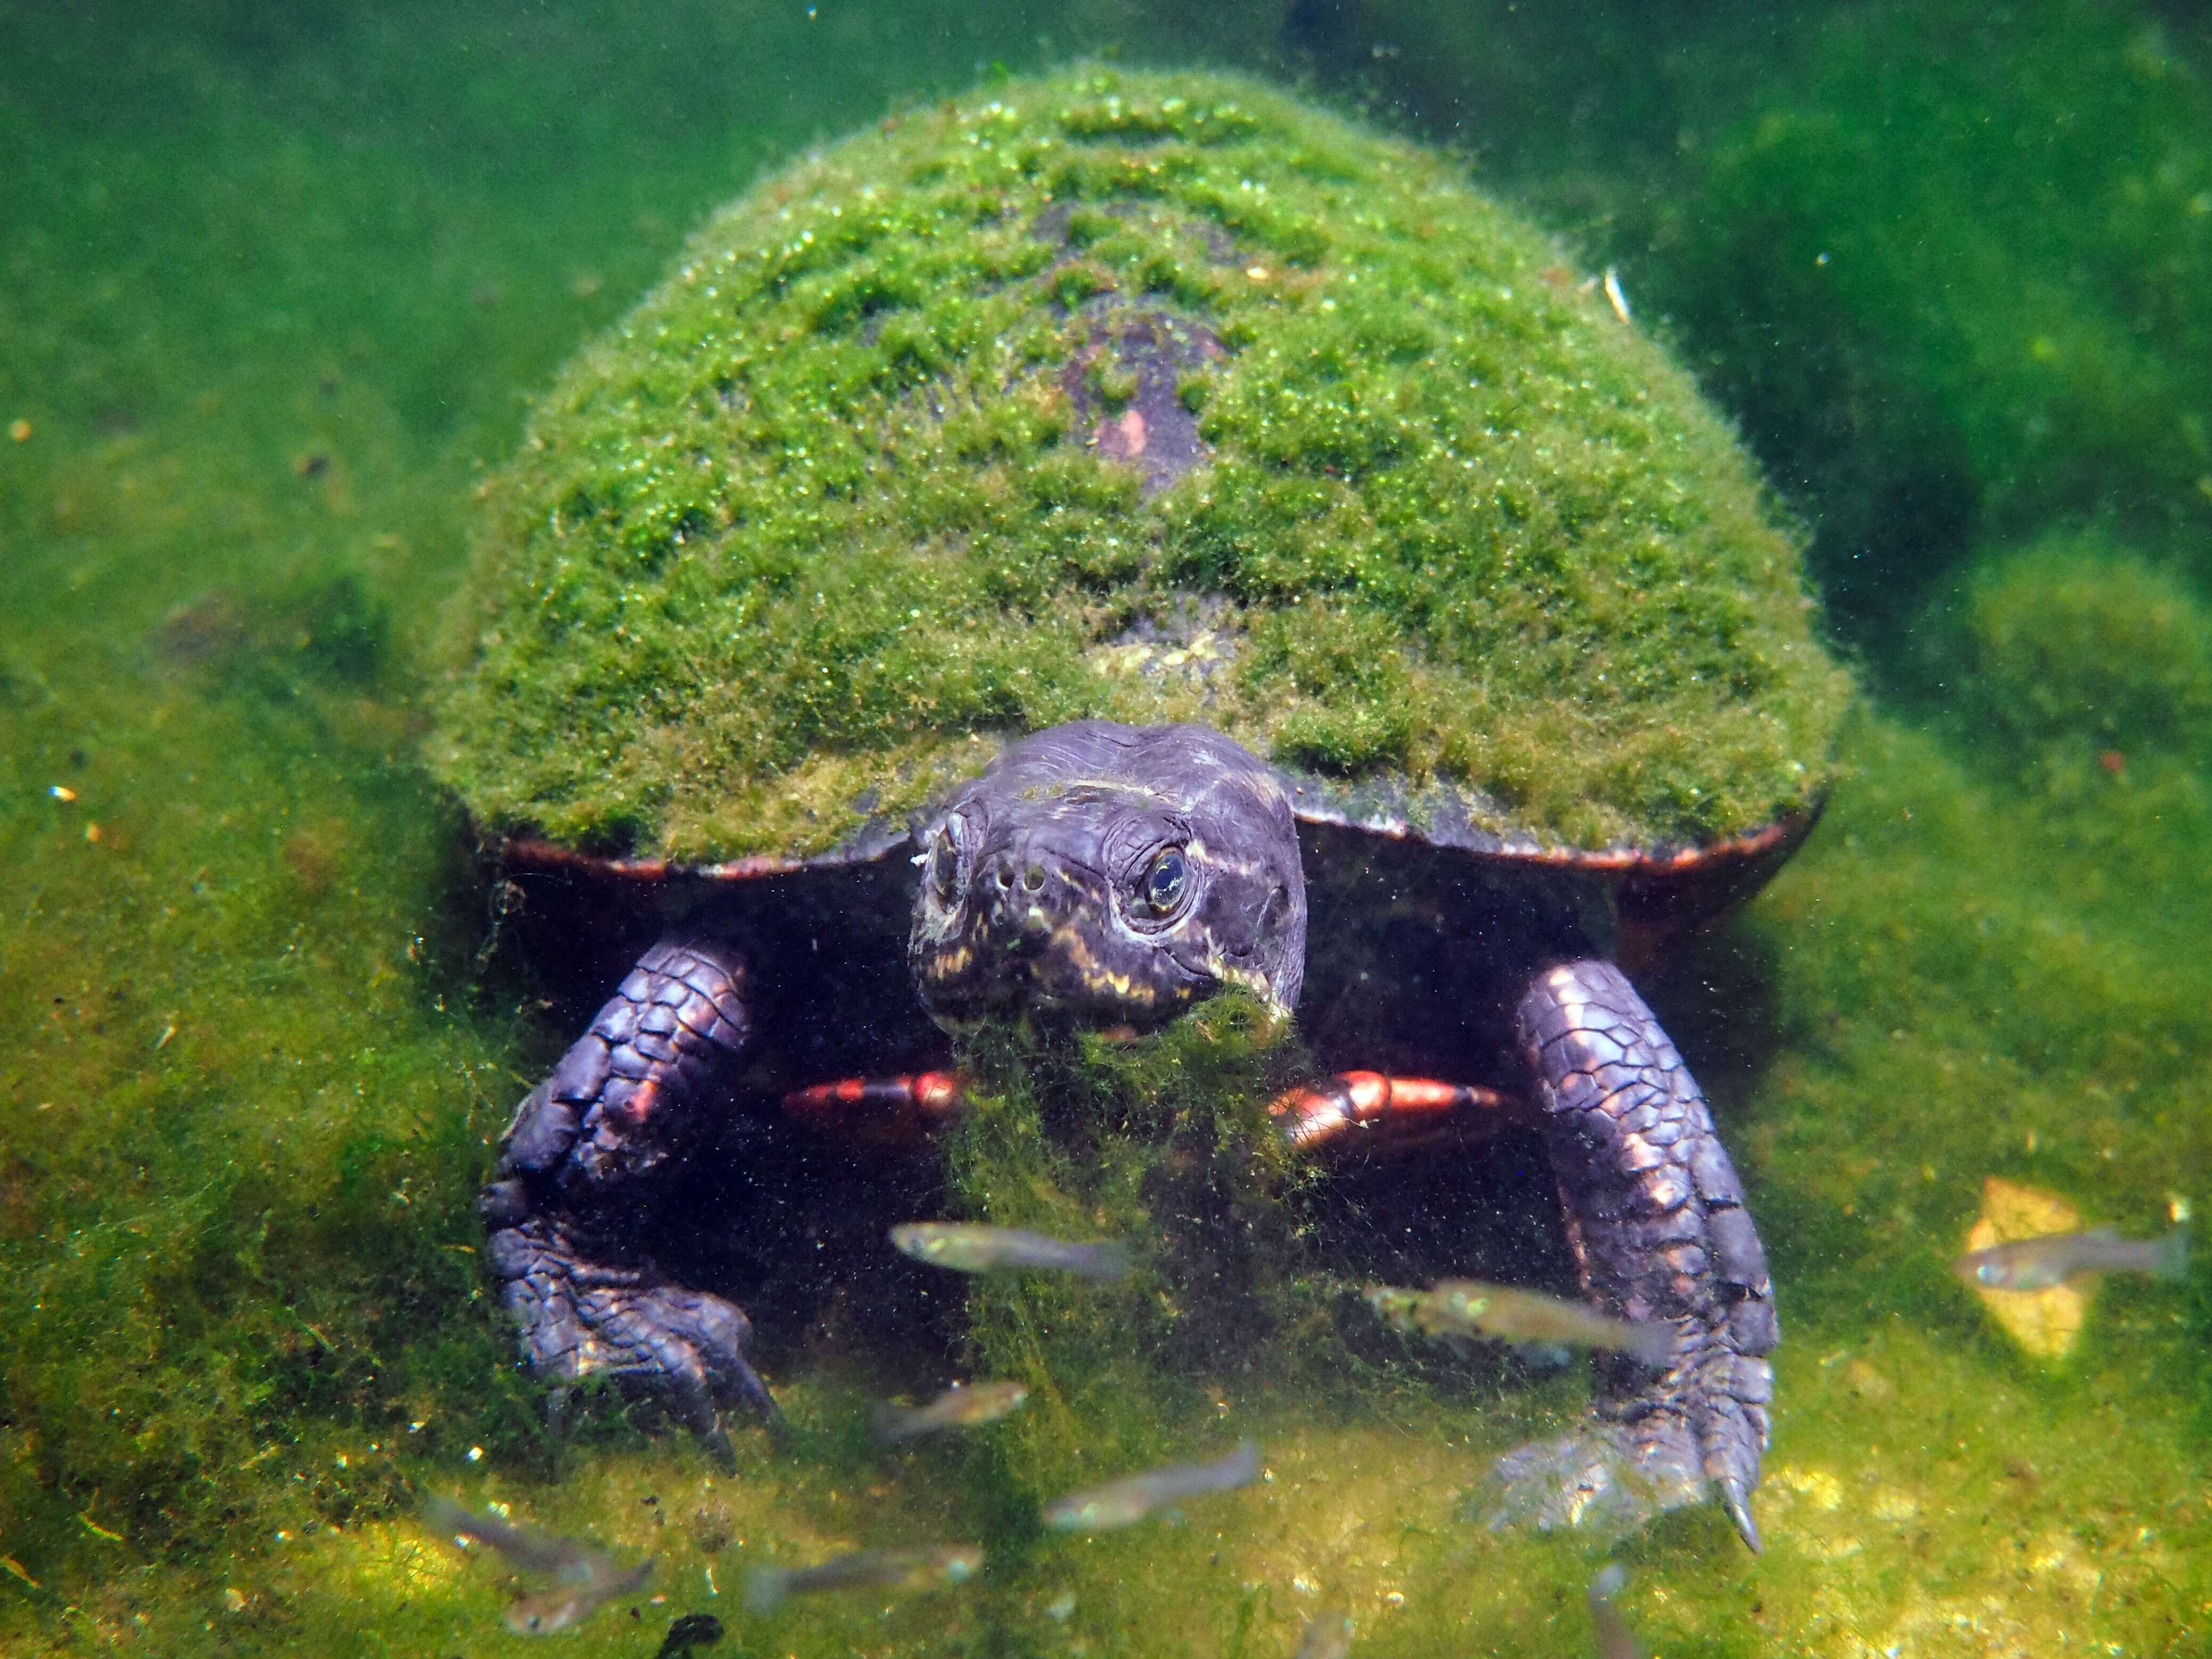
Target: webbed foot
1697,1430
581,1321
1592,1480
582,1168
1656,1218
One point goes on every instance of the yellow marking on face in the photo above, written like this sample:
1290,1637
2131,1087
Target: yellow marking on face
1094,974
1250,979
950,961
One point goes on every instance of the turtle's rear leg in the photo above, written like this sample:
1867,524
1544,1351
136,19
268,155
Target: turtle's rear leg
579,1173
1656,1220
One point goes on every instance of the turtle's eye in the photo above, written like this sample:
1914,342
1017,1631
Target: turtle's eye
1160,889
943,865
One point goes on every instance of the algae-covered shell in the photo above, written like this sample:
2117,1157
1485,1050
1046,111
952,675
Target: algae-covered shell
1147,397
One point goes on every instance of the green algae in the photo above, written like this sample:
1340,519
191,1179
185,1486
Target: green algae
232,1263
2075,645
1162,1142
832,502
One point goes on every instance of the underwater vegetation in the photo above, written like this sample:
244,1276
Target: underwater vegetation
1944,264
2073,644
1985,235
258,1048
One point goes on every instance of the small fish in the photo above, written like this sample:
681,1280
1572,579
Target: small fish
1329,1637
2037,1264
565,1605
968,1248
1467,1307
1613,1640
962,1405
923,1568
525,1551
586,1577
1125,1502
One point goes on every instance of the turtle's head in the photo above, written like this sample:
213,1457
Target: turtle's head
1110,875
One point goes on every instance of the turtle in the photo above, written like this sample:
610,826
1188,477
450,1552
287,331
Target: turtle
1091,546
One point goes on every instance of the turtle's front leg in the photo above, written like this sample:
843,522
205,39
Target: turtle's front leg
580,1172
1656,1219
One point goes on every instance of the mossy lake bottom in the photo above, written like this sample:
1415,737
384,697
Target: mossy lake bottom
259,334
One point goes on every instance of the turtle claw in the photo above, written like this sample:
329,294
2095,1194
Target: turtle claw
714,1439
1734,1501
579,1321
1726,1393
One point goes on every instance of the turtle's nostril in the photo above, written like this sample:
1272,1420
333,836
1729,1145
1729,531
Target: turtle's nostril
1033,878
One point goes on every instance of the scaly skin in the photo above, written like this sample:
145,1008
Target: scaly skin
1656,1219
575,1168
1043,889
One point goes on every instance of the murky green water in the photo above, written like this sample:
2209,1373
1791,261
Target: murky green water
277,289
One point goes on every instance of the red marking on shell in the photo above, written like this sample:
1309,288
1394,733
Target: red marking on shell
1123,439
1625,860
1153,347
1641,868
1422,1094
938,1091
534,852
823,1099
1314,1117
893,1110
